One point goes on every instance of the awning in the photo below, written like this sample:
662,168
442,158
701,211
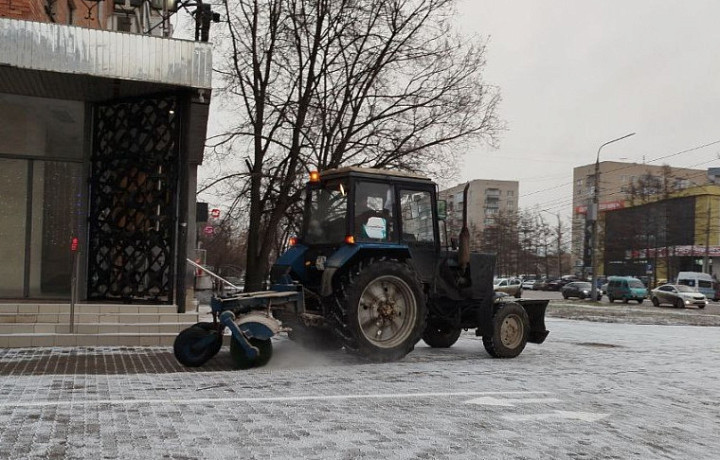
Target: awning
68,62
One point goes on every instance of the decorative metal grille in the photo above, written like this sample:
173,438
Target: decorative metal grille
133,194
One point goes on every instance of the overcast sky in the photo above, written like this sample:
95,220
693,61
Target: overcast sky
576,74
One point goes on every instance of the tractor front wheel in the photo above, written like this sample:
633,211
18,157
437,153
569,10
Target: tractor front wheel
195,345
511,327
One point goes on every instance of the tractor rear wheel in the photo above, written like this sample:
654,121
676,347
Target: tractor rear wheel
380,310
441,335
511,327
195,345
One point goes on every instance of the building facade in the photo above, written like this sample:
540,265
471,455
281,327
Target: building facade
487,200
101,134
621,184
661,237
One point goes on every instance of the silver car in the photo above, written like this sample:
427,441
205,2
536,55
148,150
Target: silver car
678,296
510,286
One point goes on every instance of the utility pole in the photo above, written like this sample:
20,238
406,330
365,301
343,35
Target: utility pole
706,259
593,215
559,245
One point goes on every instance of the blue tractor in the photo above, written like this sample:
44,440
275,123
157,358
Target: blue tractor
369,273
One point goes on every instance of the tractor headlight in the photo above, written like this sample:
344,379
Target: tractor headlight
320,262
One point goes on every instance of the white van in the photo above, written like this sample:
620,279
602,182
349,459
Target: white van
702,282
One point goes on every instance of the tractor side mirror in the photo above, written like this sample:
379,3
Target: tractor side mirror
441,209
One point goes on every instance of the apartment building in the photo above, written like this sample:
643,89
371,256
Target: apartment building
487,199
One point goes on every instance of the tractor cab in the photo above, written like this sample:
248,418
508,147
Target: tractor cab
354,213
363,205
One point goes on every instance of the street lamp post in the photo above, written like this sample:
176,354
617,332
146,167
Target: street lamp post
593,214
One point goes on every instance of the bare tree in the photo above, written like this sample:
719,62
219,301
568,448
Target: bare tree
502,238
325,83
649,187
225,251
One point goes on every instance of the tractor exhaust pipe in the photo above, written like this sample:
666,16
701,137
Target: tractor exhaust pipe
464,244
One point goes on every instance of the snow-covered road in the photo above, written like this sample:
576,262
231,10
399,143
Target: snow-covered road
592,390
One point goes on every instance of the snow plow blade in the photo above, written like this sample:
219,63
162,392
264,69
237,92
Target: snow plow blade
536,313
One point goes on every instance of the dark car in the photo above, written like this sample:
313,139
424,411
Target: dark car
553,285
579,289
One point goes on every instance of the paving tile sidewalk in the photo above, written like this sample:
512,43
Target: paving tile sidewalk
100,361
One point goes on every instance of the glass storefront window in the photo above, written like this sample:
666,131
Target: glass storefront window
42,190
13,206
39,127
57,203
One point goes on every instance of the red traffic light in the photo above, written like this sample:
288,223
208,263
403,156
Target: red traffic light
74,244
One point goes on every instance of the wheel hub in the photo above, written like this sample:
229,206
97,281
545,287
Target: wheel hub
386,309
385,313
511,331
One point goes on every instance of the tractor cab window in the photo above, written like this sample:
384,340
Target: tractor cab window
417,217
374,211
326,222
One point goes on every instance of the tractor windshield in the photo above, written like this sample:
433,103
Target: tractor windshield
326,214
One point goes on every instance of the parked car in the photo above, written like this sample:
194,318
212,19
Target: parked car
579,289
556,284
528,284
540,284
626,288
678,295
553,285
604,288
511,286
237,288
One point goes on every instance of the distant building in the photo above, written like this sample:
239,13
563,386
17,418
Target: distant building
487,199
663,236
618,182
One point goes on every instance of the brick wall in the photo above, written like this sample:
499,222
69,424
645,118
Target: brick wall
58,11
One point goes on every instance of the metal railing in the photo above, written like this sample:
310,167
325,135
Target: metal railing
214,275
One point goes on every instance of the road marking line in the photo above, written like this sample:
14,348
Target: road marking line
558,414
120,402
490,401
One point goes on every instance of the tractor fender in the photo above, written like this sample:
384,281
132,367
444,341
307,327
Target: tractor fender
292,260
348,254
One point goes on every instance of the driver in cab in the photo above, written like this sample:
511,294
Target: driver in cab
373,211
